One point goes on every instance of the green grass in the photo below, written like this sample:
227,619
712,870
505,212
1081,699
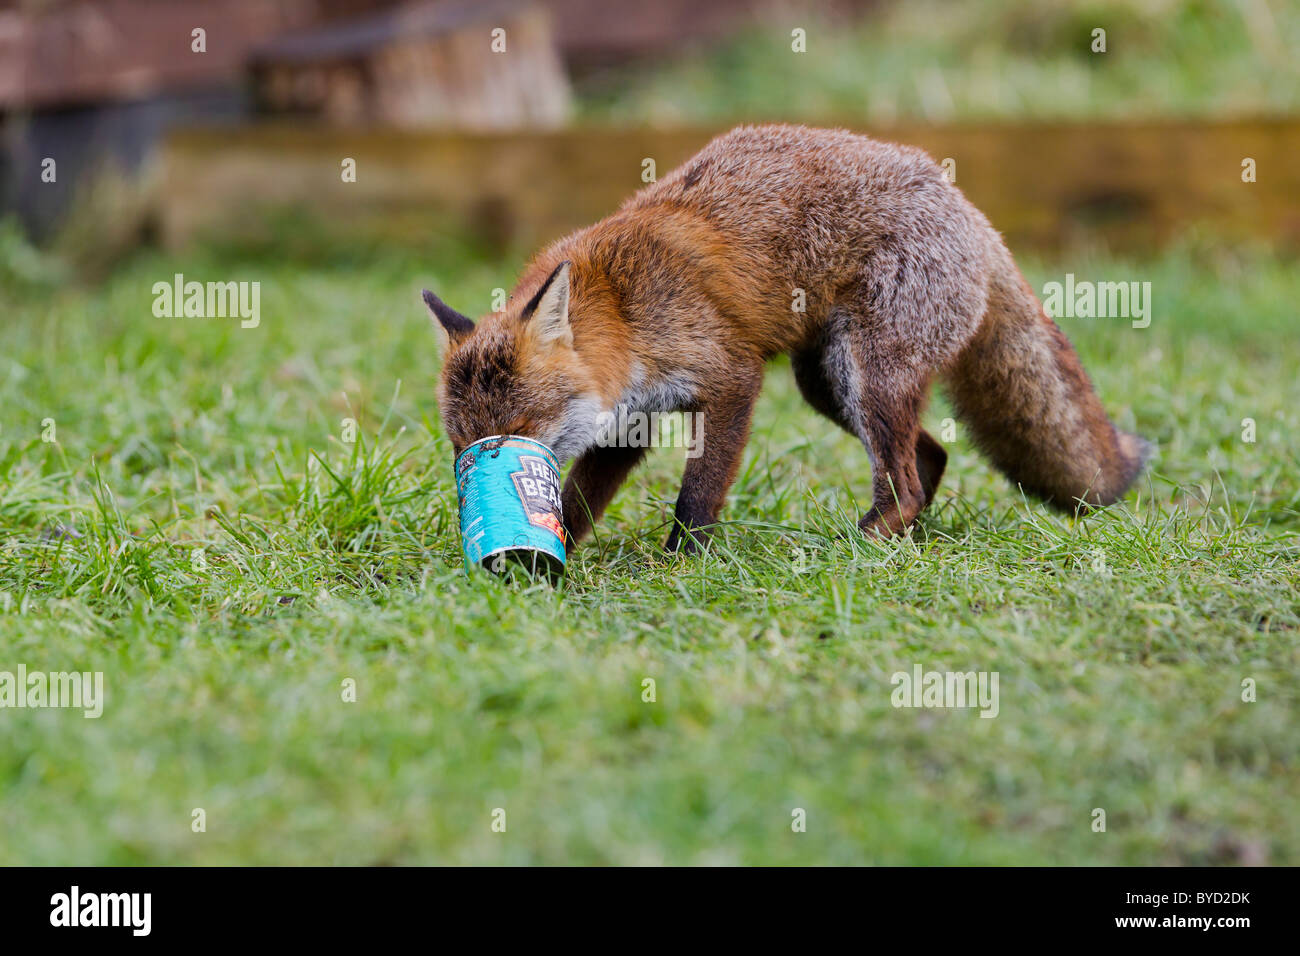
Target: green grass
1121,639
987,59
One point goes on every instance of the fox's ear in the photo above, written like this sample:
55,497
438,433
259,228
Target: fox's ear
451,325
548,311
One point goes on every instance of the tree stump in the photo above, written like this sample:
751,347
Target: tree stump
486,65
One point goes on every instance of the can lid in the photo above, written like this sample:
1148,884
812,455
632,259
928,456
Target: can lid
501,440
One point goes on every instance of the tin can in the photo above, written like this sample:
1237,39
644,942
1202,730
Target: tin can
508,490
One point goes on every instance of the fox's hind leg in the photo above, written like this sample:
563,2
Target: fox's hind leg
890,428
832,378
870,381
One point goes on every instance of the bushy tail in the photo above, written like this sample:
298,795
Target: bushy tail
1019,387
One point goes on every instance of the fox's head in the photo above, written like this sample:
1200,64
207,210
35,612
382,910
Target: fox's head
516,373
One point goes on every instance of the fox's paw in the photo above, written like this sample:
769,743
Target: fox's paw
884,525
686,541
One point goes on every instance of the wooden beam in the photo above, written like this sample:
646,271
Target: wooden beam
1128,185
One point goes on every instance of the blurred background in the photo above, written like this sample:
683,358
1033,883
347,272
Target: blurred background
1124,123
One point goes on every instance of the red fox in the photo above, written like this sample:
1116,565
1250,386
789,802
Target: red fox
677,300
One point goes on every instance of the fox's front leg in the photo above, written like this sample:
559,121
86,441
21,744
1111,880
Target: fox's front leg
594,478
727,410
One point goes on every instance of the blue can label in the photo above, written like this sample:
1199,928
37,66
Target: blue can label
508,489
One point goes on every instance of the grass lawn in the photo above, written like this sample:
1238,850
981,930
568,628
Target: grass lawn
199,531
974,60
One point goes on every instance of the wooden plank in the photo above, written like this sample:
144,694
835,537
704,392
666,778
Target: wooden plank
1128,185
